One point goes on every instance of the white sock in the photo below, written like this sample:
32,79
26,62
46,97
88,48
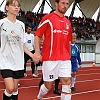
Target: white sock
66,92
7,94
42,92
15,93
73,81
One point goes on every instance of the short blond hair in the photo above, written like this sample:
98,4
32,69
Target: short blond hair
74,35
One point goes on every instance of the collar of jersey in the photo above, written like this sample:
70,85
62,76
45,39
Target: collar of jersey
10,21
58,15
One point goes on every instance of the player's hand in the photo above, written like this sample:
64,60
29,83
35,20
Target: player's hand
37,57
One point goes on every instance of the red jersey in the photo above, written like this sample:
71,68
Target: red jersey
57,33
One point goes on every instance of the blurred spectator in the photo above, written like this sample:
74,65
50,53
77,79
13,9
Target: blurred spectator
85,28
33,24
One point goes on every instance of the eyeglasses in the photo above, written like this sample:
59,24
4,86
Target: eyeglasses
13,5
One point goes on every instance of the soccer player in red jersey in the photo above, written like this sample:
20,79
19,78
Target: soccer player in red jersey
57,32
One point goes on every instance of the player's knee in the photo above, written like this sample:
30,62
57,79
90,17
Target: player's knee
48,85
15,89
73,74
65,81
66,89
10,89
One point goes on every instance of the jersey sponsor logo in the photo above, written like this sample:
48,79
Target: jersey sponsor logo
13,32
61,21
73,52
67,26
29,41
51,76
61,31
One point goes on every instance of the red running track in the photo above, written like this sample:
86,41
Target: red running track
87,84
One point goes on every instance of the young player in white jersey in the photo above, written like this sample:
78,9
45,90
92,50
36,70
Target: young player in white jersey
12,50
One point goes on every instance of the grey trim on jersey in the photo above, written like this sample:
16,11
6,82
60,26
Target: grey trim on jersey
0,34
22,28
0,37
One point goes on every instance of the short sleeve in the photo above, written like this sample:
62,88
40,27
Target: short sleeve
0,35
42,27
23,39
70,31
1,23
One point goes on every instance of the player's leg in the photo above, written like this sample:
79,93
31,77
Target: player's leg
26,58
33,65
56,90
65,78
36,69
8,80
44,89
9,88
73,89
66,91
15,91
35,74
41,82
48,70
16,76
73,74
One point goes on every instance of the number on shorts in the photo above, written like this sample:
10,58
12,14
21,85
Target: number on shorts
51,76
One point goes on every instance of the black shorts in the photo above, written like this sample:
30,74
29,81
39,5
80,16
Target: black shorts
27,57
6,73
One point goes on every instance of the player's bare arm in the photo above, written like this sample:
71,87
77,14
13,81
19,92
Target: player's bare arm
30,54
37,48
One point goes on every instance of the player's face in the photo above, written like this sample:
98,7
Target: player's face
29,29
73,39
13,8
62,6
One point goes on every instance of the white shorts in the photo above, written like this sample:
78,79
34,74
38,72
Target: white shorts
54,69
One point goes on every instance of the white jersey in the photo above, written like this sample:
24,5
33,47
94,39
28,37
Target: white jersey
11,41
29,41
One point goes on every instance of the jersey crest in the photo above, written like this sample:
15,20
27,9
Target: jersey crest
67,26
13,32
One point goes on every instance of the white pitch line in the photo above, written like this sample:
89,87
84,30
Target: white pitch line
87,74
78,70
85,92
87,80
26,79
76,75
88,69
76,81
30,79
92,91
31,74
24,87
